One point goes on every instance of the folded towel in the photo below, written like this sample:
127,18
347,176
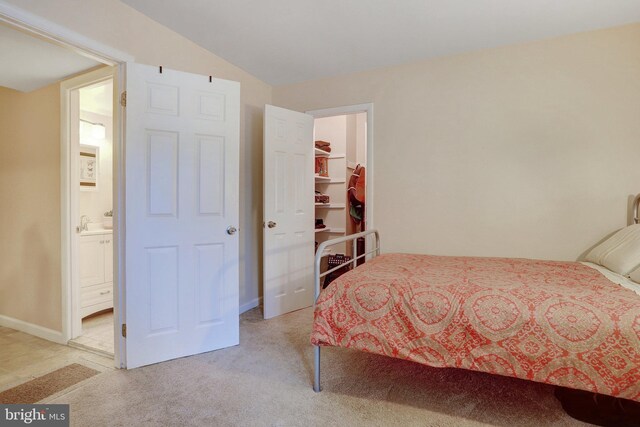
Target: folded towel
324,146
321,198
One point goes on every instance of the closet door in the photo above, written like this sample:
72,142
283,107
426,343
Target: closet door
181,151
288,211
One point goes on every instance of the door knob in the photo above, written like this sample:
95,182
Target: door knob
271,224
231,230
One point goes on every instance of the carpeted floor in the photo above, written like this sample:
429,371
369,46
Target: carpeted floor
266,381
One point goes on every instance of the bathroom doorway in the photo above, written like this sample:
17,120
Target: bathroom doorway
91,106
35,154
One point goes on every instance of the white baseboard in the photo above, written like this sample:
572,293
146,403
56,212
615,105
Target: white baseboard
31,329
251,304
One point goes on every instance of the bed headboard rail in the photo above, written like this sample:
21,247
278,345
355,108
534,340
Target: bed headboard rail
352,237
636,210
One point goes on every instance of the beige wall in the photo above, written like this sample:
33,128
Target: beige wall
30,288
522,151
115,24
527,150
94,202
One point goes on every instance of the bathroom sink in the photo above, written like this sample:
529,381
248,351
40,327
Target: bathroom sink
95,228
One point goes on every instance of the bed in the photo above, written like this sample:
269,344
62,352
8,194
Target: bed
571,324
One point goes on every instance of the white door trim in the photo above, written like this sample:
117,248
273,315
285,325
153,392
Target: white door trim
69,170
353,109
39,27
62,36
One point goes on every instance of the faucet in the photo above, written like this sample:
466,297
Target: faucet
84,223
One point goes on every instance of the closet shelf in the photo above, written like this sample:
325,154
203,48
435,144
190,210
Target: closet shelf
337,231
321,153
331,230
328,252
330,205
328,180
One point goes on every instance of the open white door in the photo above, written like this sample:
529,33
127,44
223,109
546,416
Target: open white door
288,211
181,253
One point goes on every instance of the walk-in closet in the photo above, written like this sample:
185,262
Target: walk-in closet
340,180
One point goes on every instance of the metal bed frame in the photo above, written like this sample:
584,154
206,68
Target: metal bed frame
376,251
318,275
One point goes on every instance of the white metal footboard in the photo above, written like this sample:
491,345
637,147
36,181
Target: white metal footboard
317,276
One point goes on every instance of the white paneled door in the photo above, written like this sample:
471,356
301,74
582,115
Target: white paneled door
288,211
181,253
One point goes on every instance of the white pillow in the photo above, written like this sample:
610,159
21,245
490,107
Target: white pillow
635,275
619,253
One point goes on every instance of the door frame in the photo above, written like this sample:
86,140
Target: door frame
41,28
354,109
69,167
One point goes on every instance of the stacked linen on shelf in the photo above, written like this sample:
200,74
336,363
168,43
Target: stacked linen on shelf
324,146
321,197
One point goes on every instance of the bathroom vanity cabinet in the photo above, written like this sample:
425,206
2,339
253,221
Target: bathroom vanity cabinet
96,272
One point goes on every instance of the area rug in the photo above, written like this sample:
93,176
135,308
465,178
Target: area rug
39,388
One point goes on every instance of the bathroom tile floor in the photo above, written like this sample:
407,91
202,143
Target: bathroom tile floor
97,334
24,357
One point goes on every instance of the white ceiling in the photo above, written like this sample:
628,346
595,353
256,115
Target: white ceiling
28,63
97,98
286,41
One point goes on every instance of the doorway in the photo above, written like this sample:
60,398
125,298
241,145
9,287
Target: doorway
355,122
303,153
340,178
91,196
43,61
33,166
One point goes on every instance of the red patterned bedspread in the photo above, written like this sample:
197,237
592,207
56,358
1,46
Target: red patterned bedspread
560,323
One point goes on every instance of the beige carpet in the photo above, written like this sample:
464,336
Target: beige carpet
266,381
47,385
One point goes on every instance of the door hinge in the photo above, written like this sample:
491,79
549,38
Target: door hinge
124,330
123,98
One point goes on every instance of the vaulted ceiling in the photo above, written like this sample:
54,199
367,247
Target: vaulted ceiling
286,41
